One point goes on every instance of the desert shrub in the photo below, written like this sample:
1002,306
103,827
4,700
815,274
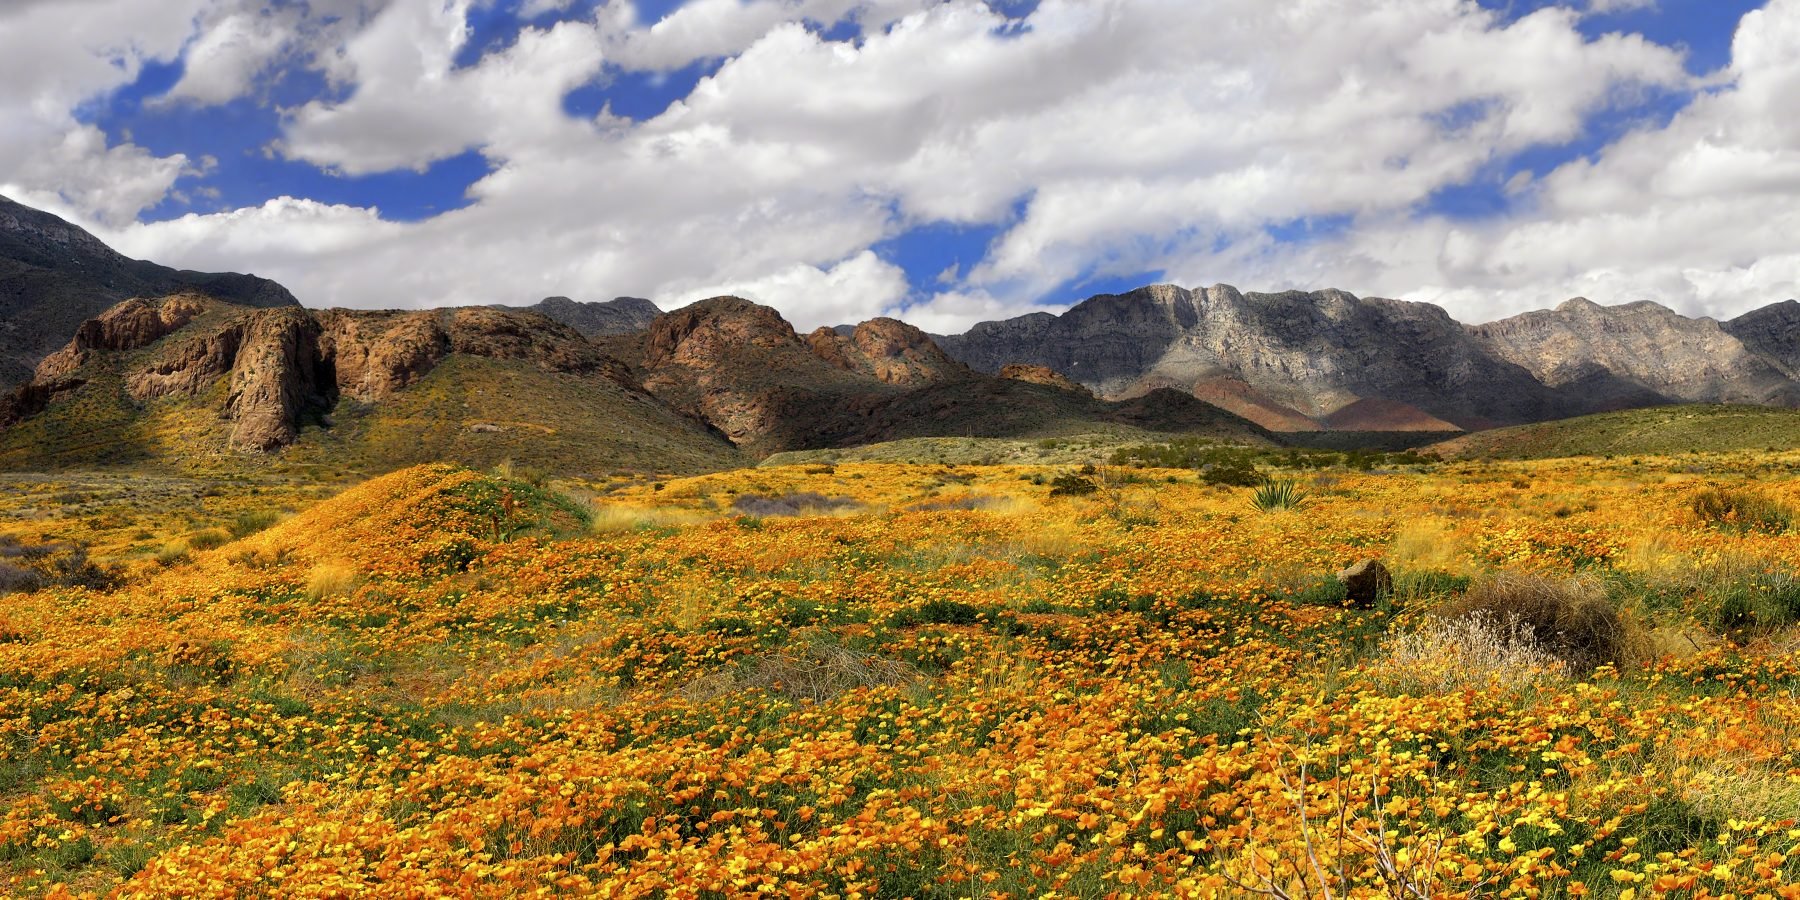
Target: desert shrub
1572,620
63,565
1072,485
948,504
1276,496
210,539
172,553
797,504
1742,511
815,671
1472,650
1232,472
18,579
249,523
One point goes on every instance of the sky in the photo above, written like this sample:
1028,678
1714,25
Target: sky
942,161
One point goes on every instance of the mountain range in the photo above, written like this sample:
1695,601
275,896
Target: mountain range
1330,361
108,359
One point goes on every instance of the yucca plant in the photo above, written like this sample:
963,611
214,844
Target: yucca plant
1278,495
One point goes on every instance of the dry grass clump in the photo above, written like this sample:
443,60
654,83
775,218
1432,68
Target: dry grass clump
797,504
1475,650
615,519
332,579
1571,619
815,671
1742,511
1429,544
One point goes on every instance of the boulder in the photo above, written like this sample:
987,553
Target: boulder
1365,582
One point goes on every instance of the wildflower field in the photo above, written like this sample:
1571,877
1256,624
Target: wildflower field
893,680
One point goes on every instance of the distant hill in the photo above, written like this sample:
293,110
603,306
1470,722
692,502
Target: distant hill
54,276
1662,430
596,319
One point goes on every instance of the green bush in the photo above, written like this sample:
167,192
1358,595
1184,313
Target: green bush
1072,485
250,523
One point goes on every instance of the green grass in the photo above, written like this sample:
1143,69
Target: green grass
1656,431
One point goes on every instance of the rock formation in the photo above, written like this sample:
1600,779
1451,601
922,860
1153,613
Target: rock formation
889,350
55,276
1043,375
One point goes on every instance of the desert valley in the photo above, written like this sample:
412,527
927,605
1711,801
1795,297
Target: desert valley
921,517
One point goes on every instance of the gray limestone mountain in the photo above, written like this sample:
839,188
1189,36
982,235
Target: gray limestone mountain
1328,360
1286,361
1773,332
623,315
1623,356
54,276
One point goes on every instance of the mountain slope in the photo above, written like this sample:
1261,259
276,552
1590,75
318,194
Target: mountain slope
1330,361
1623,355
611,317
1661,431
1283,359
741,367
55,276
189,380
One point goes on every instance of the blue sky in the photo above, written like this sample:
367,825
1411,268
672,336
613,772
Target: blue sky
822,148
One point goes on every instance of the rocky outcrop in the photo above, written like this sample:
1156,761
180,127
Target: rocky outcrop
888,350
54,277
280,364
1043,375
273,379
131,325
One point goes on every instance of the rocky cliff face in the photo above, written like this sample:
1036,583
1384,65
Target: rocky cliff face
888,350
1289,359
281,364
1773,333
1621,355
55,276
1328,360
1045,376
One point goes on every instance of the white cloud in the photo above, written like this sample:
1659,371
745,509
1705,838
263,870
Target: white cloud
230,52
54,57
1106,137
810,296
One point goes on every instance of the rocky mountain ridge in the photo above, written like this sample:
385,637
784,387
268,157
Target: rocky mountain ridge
622,315
1331,361
54,276
725,371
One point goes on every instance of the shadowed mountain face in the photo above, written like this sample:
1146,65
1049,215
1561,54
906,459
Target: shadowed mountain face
1328,360
55,276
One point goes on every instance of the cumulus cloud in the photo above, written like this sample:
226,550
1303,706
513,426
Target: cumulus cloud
231,51
1104,137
